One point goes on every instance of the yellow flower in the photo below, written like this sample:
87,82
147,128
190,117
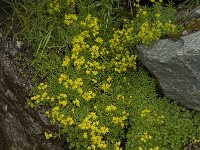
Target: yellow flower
104,130
76,102
109,79
152,1
69,18
70,120
70,2
119,96
56,108
48,135
42,86
99,40
110,108
36,97
94,80
145,137
63,103
88,72
140,148
66,61
57,7
80,90
95,72
155,148
88,95
144,112
157,15
144,13
105,87
85,135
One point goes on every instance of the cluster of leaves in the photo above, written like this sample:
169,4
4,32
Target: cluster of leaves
93,90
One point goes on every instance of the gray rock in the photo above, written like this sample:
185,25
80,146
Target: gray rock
21,128
176,65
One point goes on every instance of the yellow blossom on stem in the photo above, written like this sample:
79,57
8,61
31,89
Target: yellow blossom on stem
85,135
145,137
144,112
76,102
105,87
48,135
66,61
88,95
70,18
110,108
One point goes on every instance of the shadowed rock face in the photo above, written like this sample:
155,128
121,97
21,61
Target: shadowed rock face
21,128
176,65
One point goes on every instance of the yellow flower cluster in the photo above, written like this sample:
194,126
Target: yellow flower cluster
119,96
89,57
150,32
91,23
94,50
145,112
109,79
155,148
91,124
105,87
70,2
93,67
62,100
110,108
99,40
120,120
48,135
66,61
57,115
145,137
79,62
153,118
70,18
40,98
153,1
88,95
67,121
160,119
74,84
76,102
54,6
117,146
120,38
42,86
146,34
121,62
79,45
136,4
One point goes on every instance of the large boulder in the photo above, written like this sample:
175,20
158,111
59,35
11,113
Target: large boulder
176,65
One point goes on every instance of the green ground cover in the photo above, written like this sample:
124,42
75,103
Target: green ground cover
93,89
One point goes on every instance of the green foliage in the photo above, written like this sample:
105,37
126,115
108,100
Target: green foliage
168,125
92,88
